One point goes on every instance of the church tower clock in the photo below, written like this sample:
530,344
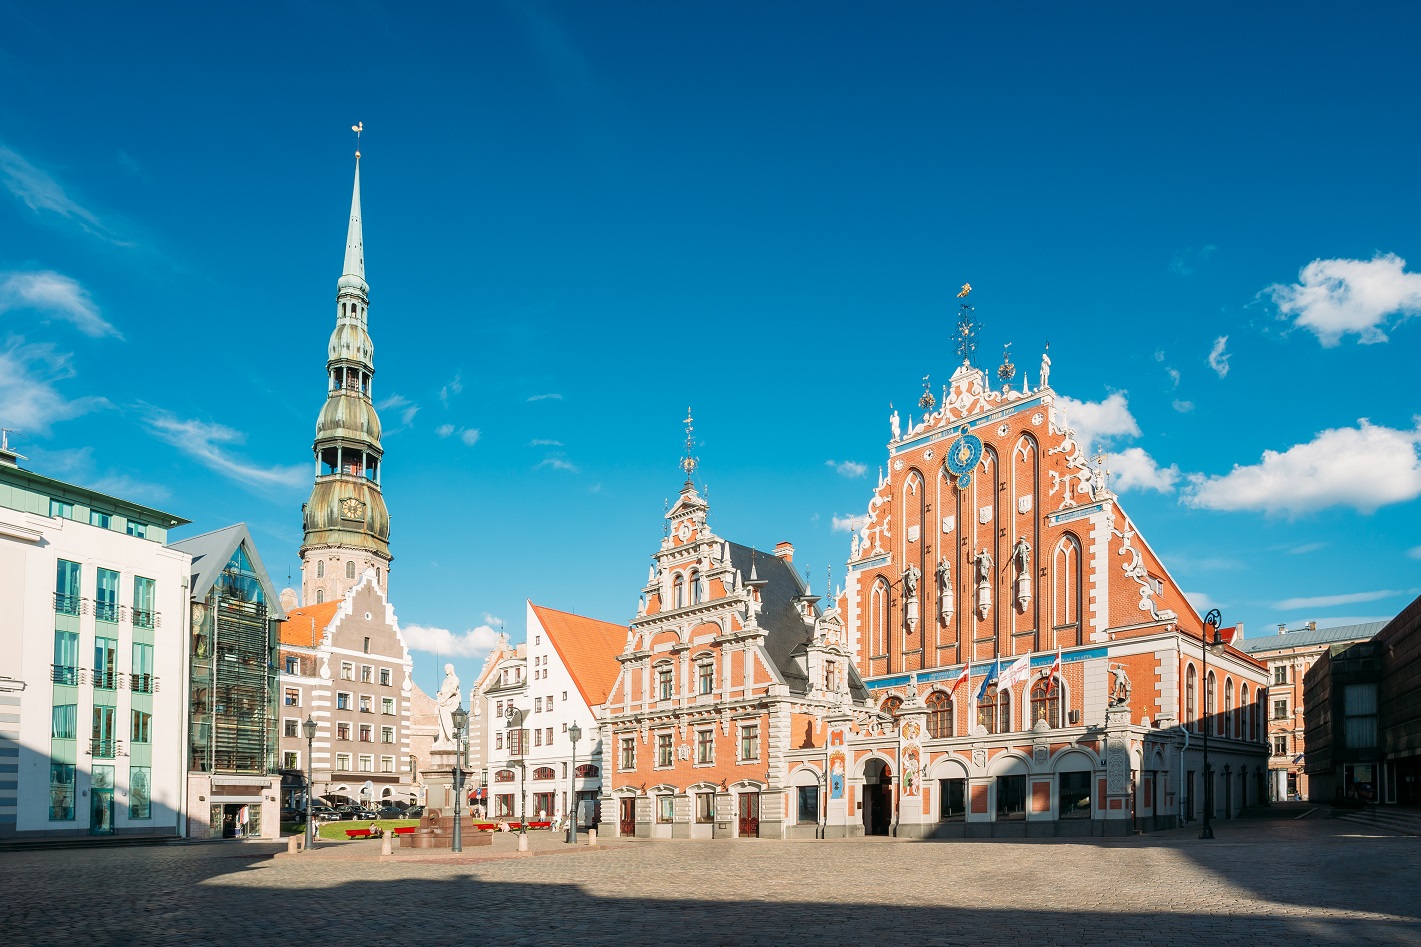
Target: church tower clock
346,525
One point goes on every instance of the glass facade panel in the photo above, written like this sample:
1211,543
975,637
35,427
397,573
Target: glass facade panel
106,663
66,657
808,804
1011,797
61,792
142,727
64,721
66,587
142,602
1073,795
140,804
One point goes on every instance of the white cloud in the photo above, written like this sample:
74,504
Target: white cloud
470,436
1173,376
1306,548
548,397
407,408
42,193
849,524
544,442
848,468
1201,601
1365,467
1218,358
444,430
1414,552
557,462
455,385
210,444
1096,423
1337,298
30,400
1133,469
1183,407
1328,601
57,294
473,643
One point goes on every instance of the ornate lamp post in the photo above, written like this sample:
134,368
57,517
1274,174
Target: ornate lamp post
309,728
1212,642
460,719
515,726
574,733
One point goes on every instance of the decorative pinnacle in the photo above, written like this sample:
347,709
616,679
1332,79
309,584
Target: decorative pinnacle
966,328
358,127
688,463
927,401
1007,371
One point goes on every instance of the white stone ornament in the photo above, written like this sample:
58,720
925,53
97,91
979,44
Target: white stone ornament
949,523
898,464
1037,418
1023,504
1002,430
984,515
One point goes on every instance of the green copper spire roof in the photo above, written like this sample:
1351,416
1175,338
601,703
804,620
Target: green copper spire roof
353,273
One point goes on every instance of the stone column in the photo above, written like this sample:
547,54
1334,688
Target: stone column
1117,771
912,727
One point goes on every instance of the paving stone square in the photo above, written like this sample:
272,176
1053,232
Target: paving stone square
1315,881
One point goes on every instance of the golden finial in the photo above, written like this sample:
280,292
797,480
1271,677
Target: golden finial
688,463
358,127
927,401
966,288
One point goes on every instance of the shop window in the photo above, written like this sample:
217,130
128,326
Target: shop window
1011,797
665,807
808,799
705,807
1073,795
952,800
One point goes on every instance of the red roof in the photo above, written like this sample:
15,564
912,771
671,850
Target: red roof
588,649
304,626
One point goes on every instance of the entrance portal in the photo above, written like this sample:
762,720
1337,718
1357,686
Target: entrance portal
628,816
877,798
749,815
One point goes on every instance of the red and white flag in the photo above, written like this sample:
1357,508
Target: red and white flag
1053,674
961,679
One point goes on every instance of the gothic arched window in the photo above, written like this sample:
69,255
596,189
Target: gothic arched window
1066,591
350,569
1211,706
940,722
878,619
1046,703
891,706
678,592
1245,715
1230,730
320,596
320,568
695,587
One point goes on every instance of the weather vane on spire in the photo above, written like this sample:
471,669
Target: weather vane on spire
1007,371
358,127
966,327
688,464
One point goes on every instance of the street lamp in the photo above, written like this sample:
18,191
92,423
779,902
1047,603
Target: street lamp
1212,642
515,725
574,733
460,718
309,728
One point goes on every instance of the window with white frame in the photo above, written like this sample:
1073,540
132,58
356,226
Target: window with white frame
342,700
387,705
665,807
343,762
387,764
347,670
290,759
367,674
1280,709
366,704
1280,674
291,727
387,734
664,683
628,757
705,807
663,749
1280,744
749,742
705,746
367,763
705,677
385,677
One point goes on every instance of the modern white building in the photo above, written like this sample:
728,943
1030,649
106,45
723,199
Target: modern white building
563,679
92,661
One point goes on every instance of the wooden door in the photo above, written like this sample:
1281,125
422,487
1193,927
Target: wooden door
628,816
749,815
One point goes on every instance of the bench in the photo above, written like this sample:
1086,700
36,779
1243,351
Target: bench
357,833
403,830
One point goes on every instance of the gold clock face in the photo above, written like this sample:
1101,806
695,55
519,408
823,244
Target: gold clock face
352,508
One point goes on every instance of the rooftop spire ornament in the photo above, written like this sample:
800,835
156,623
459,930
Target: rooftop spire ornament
966,327
927,401
358,127
1007,371
688,463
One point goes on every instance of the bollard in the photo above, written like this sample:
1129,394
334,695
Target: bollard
386,847
293,844
522,841
591,838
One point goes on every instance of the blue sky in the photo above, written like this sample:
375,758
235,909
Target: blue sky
582,218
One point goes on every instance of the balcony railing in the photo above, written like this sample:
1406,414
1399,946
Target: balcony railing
142,618
61,674
104,680
106,611
104,749
143,683
68,604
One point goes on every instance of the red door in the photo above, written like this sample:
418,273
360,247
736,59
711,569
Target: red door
749,815
628,814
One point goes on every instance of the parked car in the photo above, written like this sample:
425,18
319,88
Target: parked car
325,813
289,814
414,812
393,812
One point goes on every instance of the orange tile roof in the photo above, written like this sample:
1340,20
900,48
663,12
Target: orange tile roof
588,649
305,626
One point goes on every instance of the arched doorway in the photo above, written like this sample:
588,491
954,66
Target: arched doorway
877,798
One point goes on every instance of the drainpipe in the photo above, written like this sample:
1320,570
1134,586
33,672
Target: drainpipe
824,808
1184,730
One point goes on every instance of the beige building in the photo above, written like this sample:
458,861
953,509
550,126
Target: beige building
345,665
1288,655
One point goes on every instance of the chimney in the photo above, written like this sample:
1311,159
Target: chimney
785,551
1282,629
1312,626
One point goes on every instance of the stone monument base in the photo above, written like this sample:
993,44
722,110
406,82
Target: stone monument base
436,830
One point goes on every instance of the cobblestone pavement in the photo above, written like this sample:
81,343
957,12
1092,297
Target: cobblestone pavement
1315,881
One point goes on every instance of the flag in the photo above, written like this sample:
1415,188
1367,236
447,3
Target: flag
1019,671
1052,674
966,673
987,681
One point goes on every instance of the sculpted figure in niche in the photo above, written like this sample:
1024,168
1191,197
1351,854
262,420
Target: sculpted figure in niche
449,700
1120,693
984,583
944,590
911,575
1021,554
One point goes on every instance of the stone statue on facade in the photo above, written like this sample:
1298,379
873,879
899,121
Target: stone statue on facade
895,424
945,602
984,583
1021,553
911,576
1120,692
449,700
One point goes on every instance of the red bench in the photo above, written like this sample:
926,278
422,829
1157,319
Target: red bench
358,833
403,830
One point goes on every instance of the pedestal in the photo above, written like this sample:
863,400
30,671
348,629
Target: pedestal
439,780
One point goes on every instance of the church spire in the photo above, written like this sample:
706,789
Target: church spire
347,527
